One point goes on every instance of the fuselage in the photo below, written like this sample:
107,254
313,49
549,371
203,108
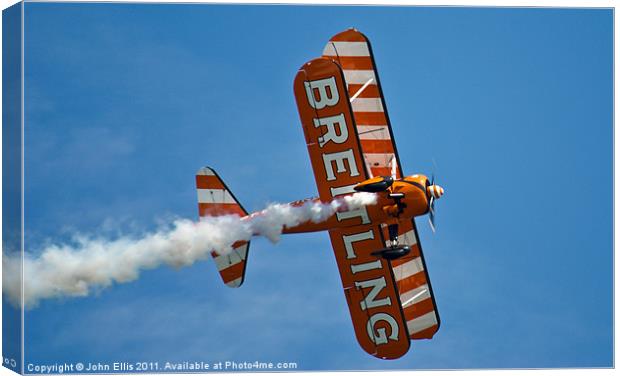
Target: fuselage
415,202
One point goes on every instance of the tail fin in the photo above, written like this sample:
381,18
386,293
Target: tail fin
215,199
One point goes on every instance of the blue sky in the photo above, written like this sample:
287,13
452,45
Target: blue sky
125,102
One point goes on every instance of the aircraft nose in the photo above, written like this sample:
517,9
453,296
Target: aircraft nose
435,191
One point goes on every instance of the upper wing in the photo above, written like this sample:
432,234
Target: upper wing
352,50
338,166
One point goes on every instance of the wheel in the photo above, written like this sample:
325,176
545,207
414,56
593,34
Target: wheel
392,253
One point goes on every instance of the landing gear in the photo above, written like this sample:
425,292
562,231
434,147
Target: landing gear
393,232
394,251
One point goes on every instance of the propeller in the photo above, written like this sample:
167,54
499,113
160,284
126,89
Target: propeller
435,192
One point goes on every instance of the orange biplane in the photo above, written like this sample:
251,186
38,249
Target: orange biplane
352,149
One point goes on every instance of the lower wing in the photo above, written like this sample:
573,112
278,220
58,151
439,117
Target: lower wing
414,285
338,165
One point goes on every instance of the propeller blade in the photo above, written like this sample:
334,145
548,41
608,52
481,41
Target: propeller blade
431,213
431,203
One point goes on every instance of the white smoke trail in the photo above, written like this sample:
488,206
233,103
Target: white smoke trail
95,263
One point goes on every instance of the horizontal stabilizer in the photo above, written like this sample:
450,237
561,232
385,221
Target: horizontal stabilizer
215,199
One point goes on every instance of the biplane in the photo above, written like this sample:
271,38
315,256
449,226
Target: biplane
352,149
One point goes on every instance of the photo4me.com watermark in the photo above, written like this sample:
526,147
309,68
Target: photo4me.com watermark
127,367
